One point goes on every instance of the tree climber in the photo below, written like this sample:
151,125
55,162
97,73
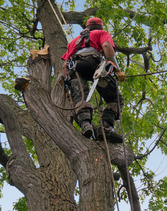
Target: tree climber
86,52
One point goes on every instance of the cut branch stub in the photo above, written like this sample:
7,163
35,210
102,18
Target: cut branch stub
21,83
40,68
118,157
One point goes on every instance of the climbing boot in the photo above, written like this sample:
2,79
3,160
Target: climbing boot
111,136
87,129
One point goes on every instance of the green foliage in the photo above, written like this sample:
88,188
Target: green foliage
31,149
21,205
16,40
76,191
159,198
3,177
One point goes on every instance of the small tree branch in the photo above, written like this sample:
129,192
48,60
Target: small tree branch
164,143
145,74
145,18
146,154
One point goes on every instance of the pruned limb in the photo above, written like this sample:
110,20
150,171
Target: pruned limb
117,155
21,83
39,67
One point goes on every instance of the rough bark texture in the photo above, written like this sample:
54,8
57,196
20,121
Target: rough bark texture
52,183
87,159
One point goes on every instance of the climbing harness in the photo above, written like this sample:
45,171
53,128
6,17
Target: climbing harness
71,67
84,34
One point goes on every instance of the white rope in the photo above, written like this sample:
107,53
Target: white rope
59,20
64,21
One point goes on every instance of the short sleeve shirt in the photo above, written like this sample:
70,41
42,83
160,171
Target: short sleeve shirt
97,38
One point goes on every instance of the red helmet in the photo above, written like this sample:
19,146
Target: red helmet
93,21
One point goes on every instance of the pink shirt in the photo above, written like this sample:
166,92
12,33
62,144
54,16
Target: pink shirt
97,37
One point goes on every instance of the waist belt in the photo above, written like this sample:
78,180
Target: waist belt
84,52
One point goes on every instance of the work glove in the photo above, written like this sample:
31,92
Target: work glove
120,75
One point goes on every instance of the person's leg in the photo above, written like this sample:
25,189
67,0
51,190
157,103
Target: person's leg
83,112
110,112
85,68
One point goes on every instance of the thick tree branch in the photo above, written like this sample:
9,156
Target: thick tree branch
47,153
131,50
78,17
12,129
135,199
117,155
40,68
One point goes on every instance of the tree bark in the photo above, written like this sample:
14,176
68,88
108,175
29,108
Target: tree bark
132,192
84,156
50,184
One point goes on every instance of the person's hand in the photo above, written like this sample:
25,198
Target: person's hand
120,75
64,69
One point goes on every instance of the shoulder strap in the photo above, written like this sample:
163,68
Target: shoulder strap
84,34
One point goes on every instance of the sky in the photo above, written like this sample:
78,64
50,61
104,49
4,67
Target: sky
157,163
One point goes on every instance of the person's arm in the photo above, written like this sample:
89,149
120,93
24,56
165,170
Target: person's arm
110,56
108,50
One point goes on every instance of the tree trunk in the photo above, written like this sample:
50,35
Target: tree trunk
87,159
48,186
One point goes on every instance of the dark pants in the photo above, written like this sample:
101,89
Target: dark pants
108,92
